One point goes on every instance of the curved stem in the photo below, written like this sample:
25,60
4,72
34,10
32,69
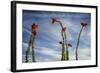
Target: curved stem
60,24
63,47
78,43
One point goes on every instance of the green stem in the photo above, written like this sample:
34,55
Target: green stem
33,53
78,43
67,53
28,50
60,24
63,48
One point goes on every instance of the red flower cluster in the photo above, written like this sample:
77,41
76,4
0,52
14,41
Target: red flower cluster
34,26
83,24
64,29
54,19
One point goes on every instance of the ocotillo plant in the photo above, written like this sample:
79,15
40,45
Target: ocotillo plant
31,43
54,19
28,50
82,25
34,33
64,55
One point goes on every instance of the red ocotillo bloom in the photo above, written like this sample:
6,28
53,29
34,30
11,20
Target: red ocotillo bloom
54,19
34,26
64,29
83,24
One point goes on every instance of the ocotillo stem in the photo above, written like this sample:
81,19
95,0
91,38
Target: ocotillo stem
28,50
78,43
33,53
63,47
67,53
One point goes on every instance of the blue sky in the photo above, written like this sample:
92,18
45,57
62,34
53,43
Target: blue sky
47,47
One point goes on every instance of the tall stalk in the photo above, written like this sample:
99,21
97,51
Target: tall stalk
63,53
66,51
63,47
78,43
31,43
33,53
28,50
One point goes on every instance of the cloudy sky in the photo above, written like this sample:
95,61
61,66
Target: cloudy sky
47,47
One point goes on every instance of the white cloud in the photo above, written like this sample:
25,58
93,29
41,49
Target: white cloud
84,53
26,30
51,53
